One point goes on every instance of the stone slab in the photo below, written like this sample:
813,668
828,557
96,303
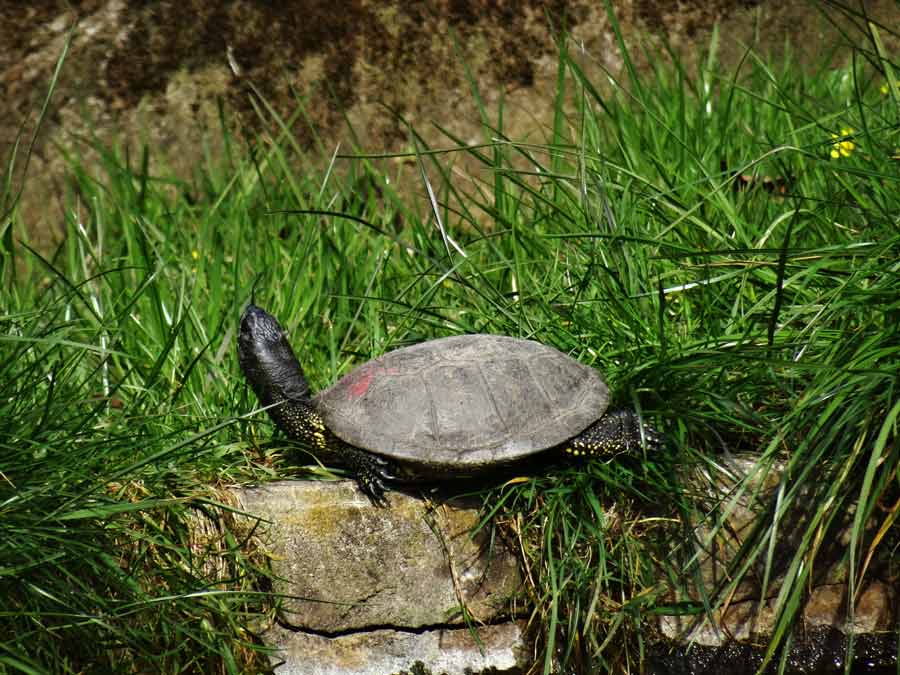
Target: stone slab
497,649
344,564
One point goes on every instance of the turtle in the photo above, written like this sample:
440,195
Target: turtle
459,406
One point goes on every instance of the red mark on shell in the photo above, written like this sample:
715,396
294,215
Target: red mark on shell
361,379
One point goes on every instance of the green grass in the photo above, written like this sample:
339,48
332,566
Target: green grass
735,320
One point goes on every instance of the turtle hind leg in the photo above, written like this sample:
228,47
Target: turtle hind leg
373,474
615,432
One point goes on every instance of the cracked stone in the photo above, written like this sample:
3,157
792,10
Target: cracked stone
347,565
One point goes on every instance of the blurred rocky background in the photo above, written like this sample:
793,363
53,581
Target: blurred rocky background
167,75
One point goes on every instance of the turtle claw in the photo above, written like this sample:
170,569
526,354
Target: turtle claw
375,483
373,473
386,471
373,488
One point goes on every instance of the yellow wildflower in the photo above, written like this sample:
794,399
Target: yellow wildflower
195,254
884,89
842,144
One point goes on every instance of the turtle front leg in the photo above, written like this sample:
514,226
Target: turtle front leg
372,473
615,432
302,422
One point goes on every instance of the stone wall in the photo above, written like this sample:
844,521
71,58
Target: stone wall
419,584
377,590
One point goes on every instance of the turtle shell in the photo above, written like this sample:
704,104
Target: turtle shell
464,402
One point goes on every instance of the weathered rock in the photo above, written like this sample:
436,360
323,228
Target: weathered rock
747,617
826,607
875,610
344,564
497,649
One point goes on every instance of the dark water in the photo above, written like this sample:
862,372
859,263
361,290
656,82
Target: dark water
821,652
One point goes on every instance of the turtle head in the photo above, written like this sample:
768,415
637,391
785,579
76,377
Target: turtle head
267,360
